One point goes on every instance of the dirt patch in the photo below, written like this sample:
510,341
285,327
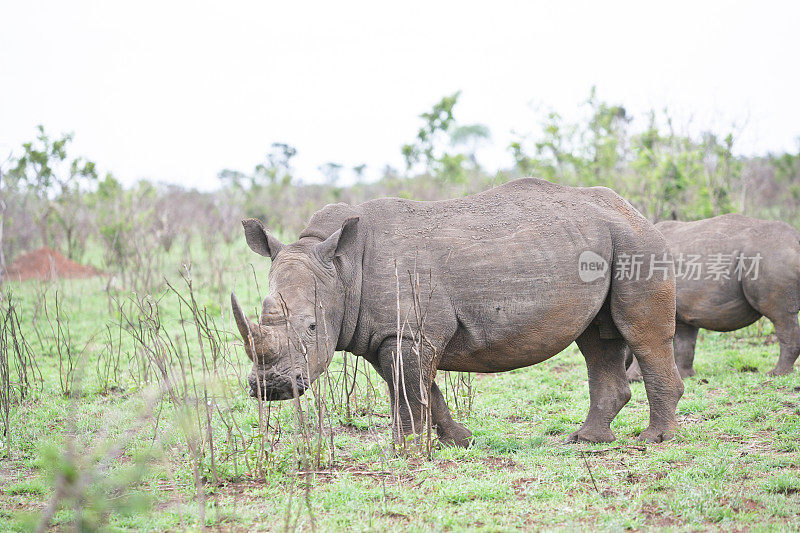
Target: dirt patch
447,465
747,505
499,462
520,485
654,516
45,264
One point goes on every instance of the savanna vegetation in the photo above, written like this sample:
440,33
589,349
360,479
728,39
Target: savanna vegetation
123,397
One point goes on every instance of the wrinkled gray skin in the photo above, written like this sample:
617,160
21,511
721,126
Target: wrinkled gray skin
498,288
731,304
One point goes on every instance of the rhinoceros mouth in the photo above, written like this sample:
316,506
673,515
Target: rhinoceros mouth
284,391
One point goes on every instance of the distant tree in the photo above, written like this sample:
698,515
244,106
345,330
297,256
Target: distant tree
56,183
784,187
432,137
436,123
588,153
470,137
232,178
110,209
665,175
3,207
277,168
555,154
389,173
358,170
723,172
523,163
605,140
331,171
662,181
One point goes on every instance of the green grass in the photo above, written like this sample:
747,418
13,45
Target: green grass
734,463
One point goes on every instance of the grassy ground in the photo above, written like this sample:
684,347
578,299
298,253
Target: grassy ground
734,464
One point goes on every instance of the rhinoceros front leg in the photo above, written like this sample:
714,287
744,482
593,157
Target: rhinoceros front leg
608,386
407,383
450,432
411,388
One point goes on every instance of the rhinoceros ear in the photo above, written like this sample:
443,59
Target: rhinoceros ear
259,239
336,243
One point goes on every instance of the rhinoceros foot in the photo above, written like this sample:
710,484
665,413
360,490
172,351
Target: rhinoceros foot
780,371
590,434
455,435
654,436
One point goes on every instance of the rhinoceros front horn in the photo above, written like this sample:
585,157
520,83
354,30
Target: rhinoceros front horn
246,326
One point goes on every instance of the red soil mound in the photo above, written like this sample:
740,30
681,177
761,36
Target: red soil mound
46,263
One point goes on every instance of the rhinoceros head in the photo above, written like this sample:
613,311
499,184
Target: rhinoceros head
296,335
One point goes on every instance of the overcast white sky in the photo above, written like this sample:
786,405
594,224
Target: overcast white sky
176,91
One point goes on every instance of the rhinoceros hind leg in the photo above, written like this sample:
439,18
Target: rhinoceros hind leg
684,343
646,318
664,388
684,347
450,432
788,332
608,387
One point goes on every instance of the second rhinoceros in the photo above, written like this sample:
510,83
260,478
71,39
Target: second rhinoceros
730,271
486,283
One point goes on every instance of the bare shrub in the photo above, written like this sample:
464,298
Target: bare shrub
422,353
69,358
108,363
20,376
459,386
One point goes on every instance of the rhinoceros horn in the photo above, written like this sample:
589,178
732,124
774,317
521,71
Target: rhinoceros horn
270,308
246,326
